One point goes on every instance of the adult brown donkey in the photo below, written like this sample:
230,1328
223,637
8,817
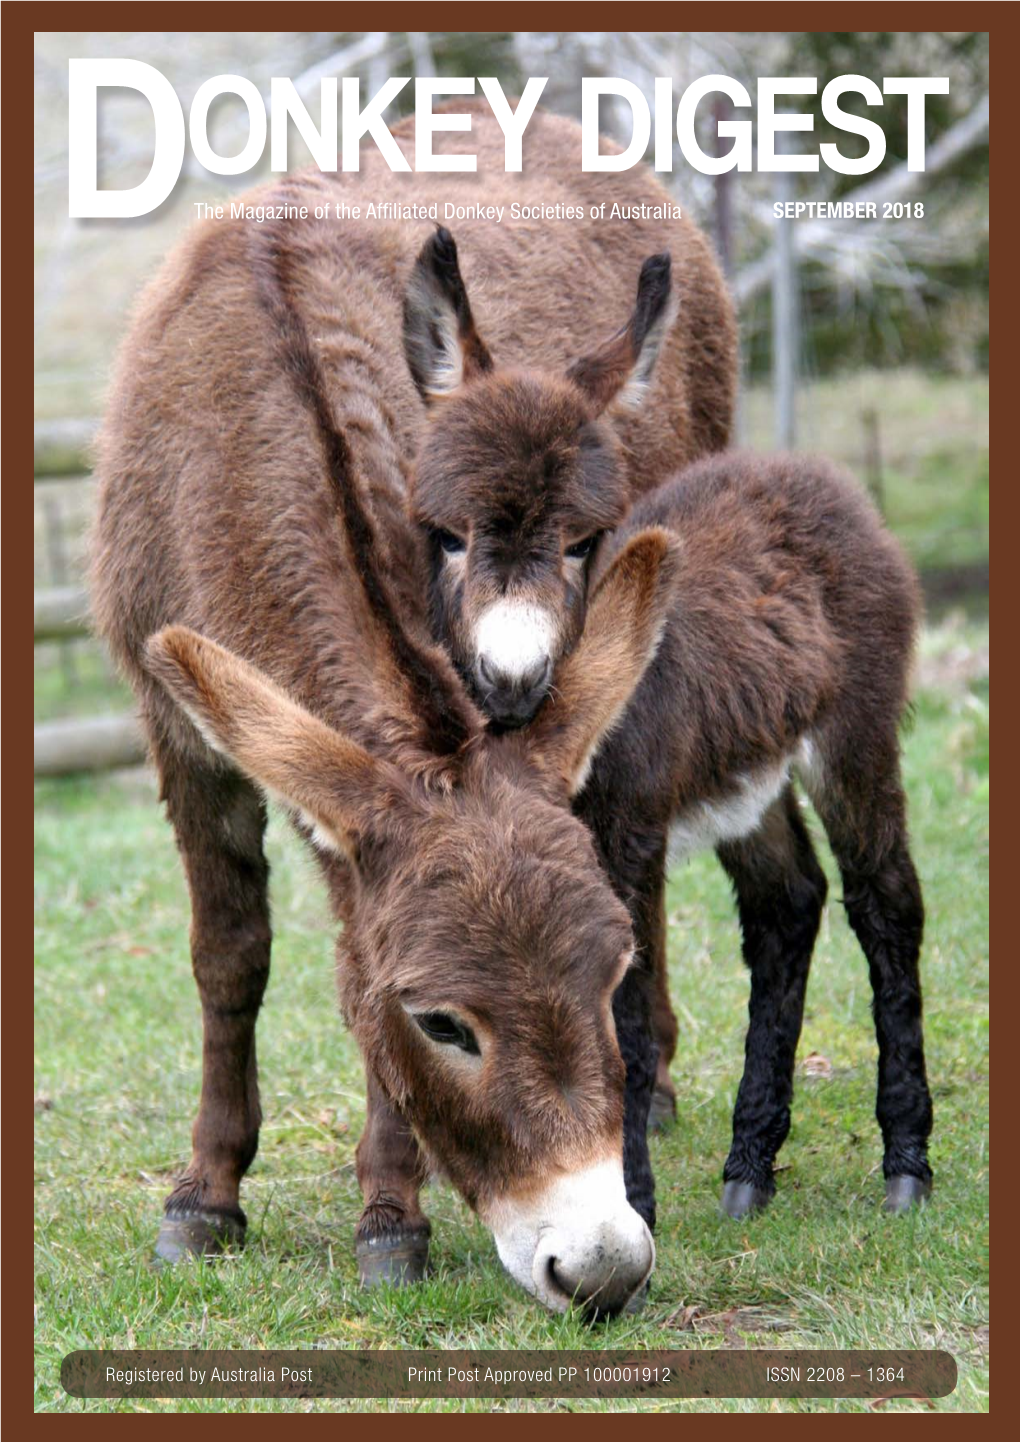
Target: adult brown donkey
263,391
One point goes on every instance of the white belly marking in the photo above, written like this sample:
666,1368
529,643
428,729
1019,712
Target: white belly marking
733,816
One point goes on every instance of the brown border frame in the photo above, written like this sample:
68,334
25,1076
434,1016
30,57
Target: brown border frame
19,23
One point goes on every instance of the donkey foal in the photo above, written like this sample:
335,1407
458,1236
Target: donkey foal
786,652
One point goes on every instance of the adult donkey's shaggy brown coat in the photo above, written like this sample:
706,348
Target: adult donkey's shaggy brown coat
262,390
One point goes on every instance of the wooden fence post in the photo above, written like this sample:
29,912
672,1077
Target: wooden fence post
784,322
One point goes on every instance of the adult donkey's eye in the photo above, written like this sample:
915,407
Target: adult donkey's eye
451,544
580,549
448,1030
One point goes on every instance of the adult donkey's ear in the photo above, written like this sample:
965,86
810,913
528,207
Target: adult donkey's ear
621,369
338,789
442,346
594,684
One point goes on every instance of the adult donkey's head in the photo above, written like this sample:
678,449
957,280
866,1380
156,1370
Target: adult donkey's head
484,944
518,478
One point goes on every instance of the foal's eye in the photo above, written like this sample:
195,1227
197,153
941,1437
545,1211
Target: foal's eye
580,549
451,544
447,1030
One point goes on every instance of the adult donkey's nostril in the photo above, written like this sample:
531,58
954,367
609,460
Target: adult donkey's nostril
600,1273
603,1293
557,1284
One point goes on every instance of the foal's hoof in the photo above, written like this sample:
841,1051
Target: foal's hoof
742,1199
393,1260
198,1234
662,1112
904,1192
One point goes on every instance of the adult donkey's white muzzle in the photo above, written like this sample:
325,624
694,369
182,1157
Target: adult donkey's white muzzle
578,1241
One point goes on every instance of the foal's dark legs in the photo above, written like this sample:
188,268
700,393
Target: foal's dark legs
219,820
634,858
662,1111
637,869
633,1033
866,823
780,890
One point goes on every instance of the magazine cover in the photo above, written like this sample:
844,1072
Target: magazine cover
511,762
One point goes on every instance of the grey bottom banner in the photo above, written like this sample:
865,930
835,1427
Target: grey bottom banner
314,1373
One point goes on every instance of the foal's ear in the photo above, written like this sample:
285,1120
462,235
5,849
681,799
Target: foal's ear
595,683
442,347
622,367
337,787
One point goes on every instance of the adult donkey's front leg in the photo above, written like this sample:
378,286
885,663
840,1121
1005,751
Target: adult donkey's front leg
392,1242
219,820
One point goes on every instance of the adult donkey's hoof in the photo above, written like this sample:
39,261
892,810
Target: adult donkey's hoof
662,1112
904,1192
198,1234
742,1199
639,1300
392,1259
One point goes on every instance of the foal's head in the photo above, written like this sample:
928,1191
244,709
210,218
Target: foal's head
484,943
518,479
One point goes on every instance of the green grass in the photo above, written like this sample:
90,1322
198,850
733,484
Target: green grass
117,1062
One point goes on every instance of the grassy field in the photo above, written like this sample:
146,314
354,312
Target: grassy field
117,1047
933,446
118,1039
